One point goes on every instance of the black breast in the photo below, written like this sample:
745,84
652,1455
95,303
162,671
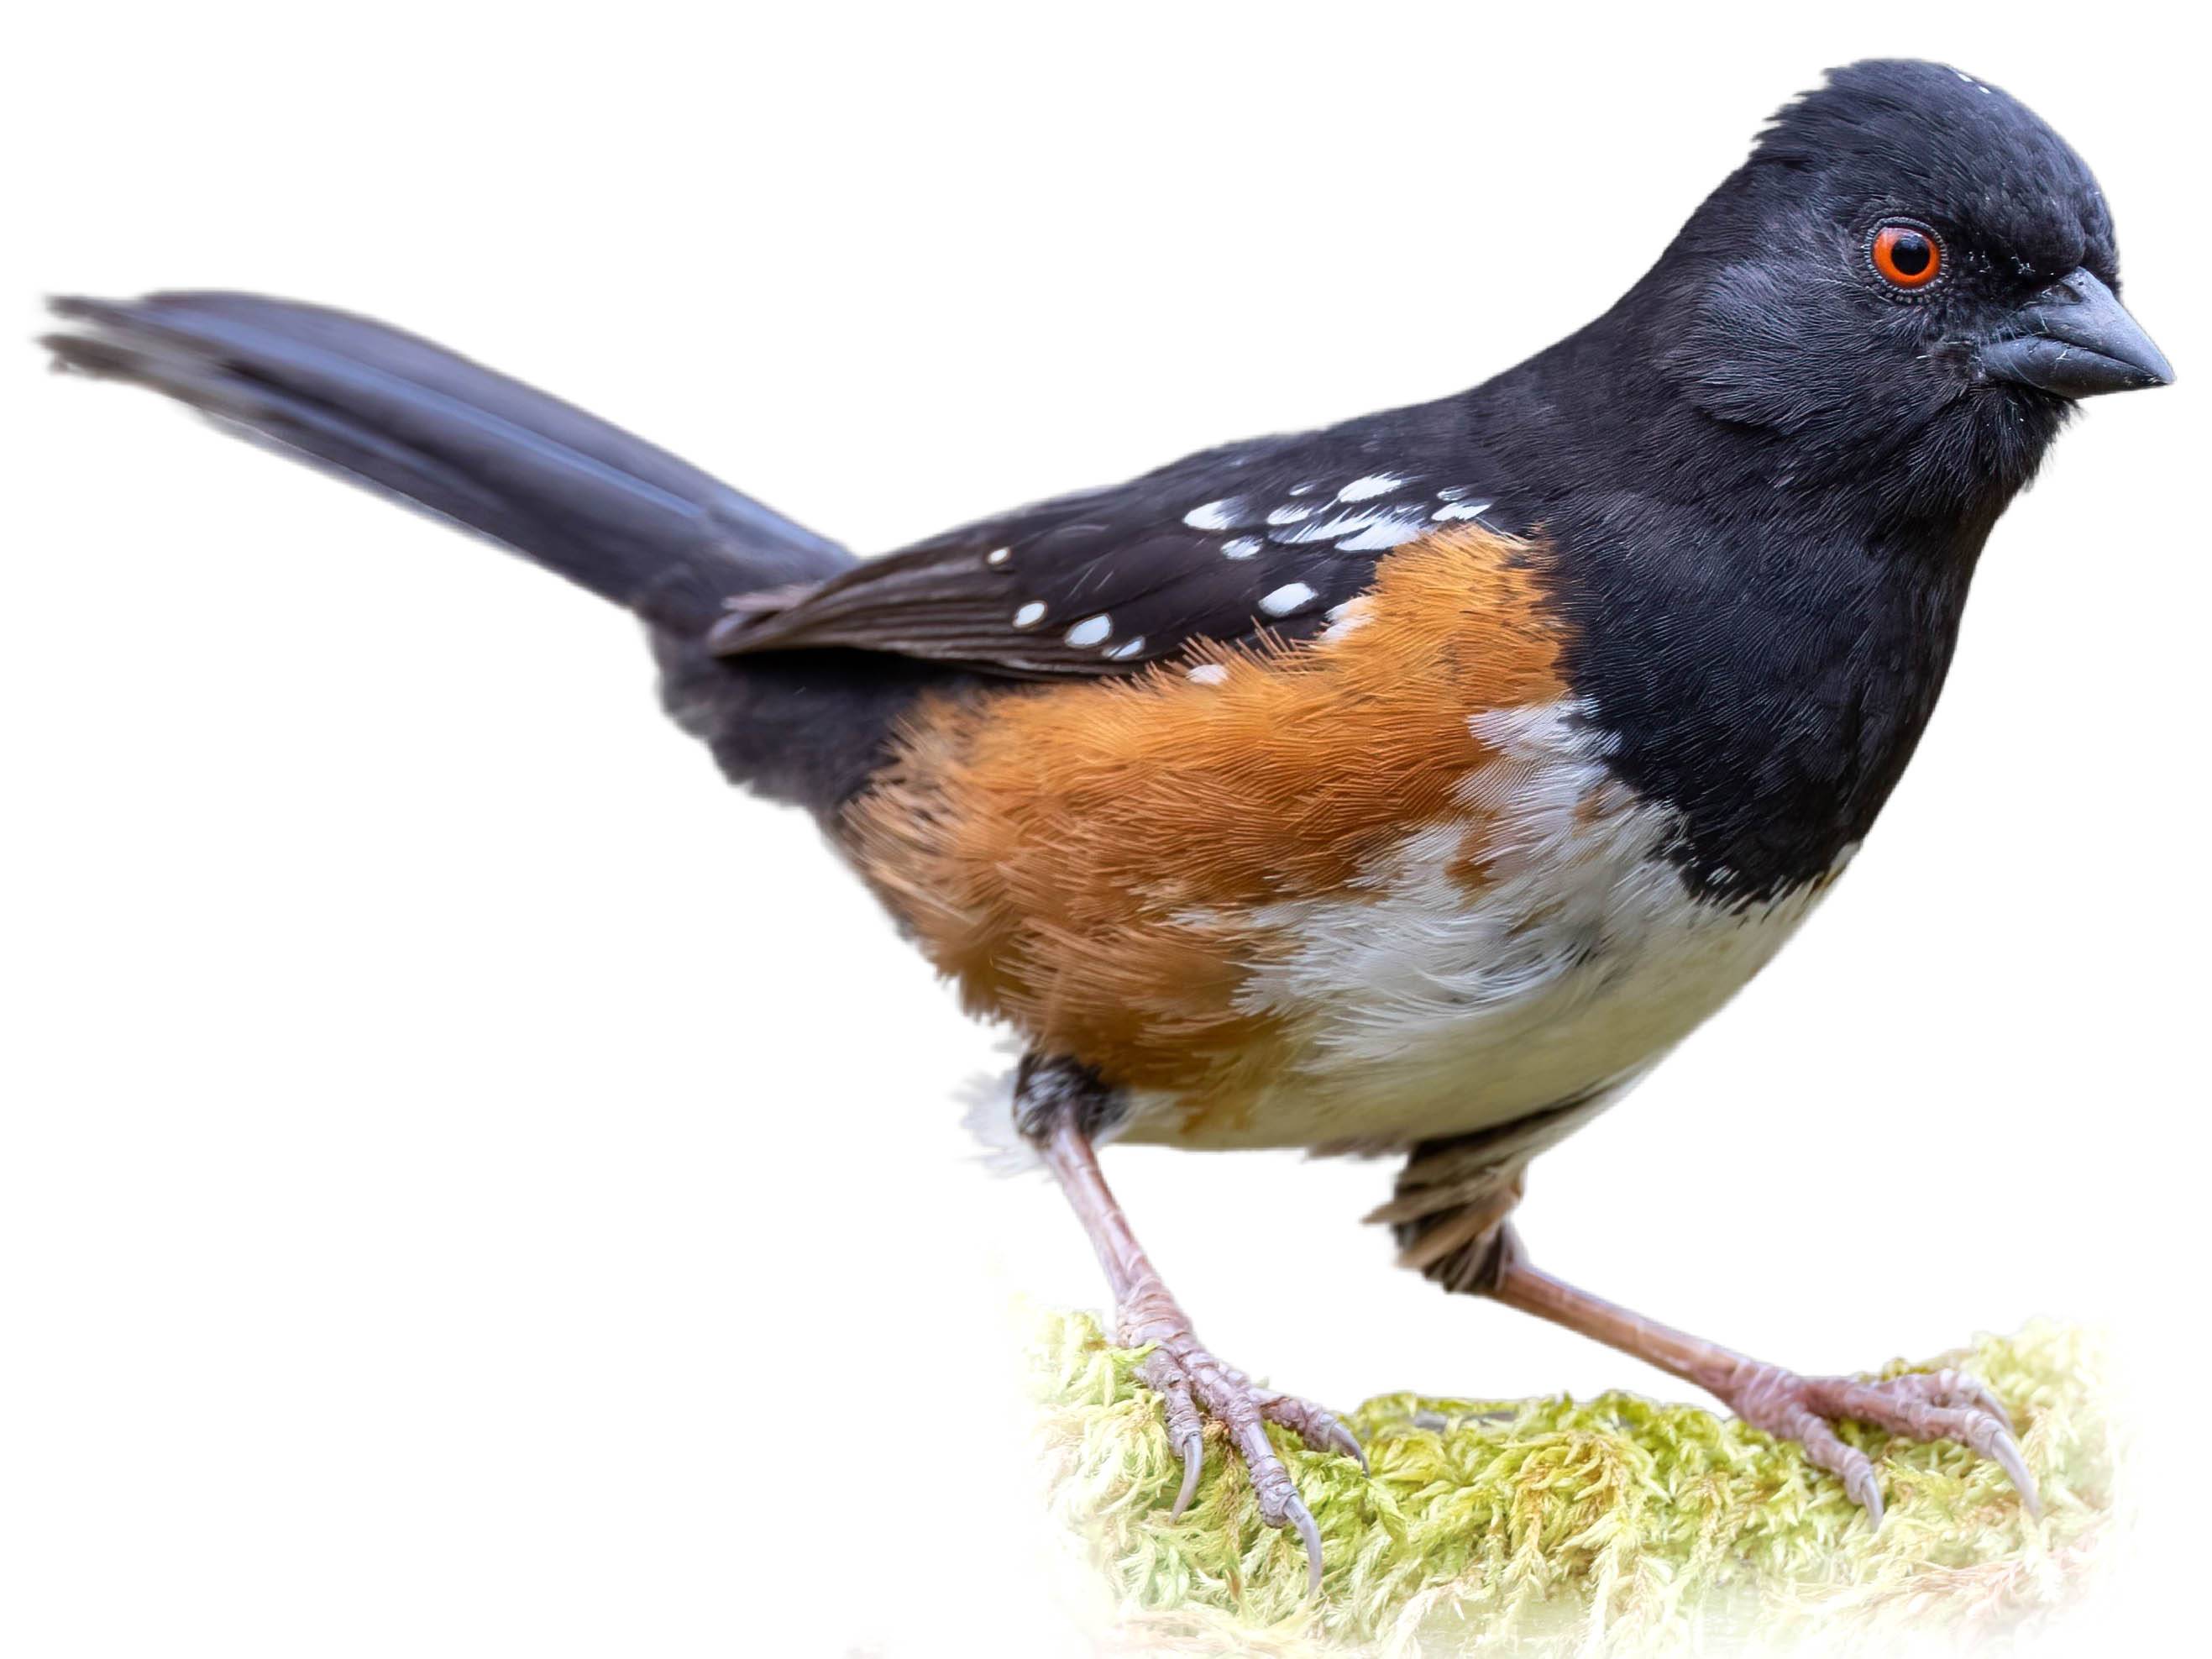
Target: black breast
1768,682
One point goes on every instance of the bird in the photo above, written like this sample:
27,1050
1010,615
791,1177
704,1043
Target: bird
1407,788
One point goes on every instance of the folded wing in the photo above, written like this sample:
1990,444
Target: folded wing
1260,539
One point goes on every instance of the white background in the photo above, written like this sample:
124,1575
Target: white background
472,1184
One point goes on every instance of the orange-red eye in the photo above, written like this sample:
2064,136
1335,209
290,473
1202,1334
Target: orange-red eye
1906,255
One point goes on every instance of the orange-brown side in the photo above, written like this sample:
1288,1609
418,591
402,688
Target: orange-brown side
1085,860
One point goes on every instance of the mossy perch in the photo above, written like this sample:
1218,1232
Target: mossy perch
1614,1524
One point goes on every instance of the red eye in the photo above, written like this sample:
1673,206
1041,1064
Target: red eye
1906,255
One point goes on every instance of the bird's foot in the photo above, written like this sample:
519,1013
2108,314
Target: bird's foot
1923,1405
1194,1385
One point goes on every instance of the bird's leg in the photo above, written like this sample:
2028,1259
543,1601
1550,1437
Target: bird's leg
1945,1404
1192,1382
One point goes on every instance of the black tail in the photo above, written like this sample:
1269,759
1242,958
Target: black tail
410,420
630,522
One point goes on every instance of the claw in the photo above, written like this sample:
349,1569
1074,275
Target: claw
1863,1487
1996,1407
1194,1459
1348,1443
1302,1517
2004,1451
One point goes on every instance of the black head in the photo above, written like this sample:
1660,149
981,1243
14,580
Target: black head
1910,280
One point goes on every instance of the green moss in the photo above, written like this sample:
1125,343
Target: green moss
1614,1524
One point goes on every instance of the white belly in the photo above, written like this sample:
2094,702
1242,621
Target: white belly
1420,1008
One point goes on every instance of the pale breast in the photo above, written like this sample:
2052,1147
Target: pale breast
1421,1004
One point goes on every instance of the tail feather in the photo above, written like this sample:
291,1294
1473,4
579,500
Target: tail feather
412,421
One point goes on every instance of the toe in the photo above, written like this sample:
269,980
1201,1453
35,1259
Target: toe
1271,1482
1952,1388
1846,1463
1237,1407
1185,1424
1911,1411
1318,1426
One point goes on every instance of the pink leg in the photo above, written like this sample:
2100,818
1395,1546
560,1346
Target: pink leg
1191,1382
1921,1405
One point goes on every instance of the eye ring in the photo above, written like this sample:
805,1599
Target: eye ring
1908,256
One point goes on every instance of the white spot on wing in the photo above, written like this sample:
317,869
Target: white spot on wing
1029,614
1351,616
1462,510
1391,530
1128,647
1366,488
1208,673
1348,523
1290,596
1243,547
1225,515
999,555
1289,514
1091,630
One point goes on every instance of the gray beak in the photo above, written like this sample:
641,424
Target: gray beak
2076,339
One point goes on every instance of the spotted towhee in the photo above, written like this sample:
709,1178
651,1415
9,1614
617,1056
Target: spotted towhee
1412,784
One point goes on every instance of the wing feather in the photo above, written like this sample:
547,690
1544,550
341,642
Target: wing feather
1265,538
